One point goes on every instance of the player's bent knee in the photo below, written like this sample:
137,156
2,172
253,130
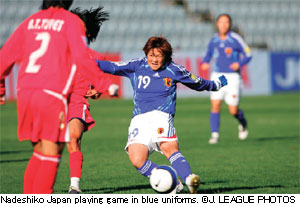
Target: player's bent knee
216,106
76,128
233,110
137,161
138,154
169,148
73,145
75,134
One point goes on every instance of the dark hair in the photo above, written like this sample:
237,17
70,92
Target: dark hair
93,19
160,43
226,15
61,3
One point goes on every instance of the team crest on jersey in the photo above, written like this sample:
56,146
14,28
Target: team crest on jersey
168,82
160,130
228,50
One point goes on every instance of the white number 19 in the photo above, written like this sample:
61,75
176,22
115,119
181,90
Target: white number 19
35,55
145,80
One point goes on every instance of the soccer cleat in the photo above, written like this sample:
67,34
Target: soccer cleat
74,190
178,188
243,132
193,183
214,138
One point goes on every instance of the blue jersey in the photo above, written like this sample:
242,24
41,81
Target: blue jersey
225,52
155,90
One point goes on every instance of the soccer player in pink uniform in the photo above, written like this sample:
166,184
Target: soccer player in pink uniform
79,117
49,48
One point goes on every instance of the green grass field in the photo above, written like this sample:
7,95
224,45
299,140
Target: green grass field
267,162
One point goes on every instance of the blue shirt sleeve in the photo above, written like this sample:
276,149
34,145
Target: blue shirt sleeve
122,68
209,52
193,82
243,48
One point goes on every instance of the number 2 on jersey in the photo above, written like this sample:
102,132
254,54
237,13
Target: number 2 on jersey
32,67
145,80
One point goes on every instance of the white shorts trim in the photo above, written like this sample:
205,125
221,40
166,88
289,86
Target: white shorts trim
230,93
150,129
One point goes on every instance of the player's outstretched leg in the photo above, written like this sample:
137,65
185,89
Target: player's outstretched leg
183,169
76,128
243,131
75,163
138,156
214,127
147,168
180,164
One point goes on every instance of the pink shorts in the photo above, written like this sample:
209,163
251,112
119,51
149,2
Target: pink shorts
42,114
79,108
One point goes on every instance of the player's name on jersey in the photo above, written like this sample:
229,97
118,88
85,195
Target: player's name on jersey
45,24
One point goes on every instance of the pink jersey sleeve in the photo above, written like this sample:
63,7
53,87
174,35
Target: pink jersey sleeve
106,80
80,53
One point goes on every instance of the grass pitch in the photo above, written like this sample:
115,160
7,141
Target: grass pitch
267,162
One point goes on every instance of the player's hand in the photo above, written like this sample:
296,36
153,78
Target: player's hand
93,94
113,90
221,82
235,66
204,66
2,99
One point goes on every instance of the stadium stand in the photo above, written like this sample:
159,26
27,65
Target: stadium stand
188,24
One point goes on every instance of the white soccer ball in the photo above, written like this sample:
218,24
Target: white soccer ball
163,179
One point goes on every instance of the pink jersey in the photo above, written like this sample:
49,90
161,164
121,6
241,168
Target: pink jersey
78,105
50,47
81,85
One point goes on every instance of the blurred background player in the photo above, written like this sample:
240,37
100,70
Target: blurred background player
230,53
154,80
79,116
49,48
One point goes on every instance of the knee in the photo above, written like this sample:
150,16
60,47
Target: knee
169,148
75,134
216,107
137,161
233,111
138,154
73,145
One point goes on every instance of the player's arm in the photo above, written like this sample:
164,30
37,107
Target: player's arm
122,68
80,54
207,57
113,91
209,52
197,83
244,50
246,56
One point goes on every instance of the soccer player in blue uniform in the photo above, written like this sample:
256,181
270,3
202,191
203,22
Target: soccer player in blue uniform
154,80
230,53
